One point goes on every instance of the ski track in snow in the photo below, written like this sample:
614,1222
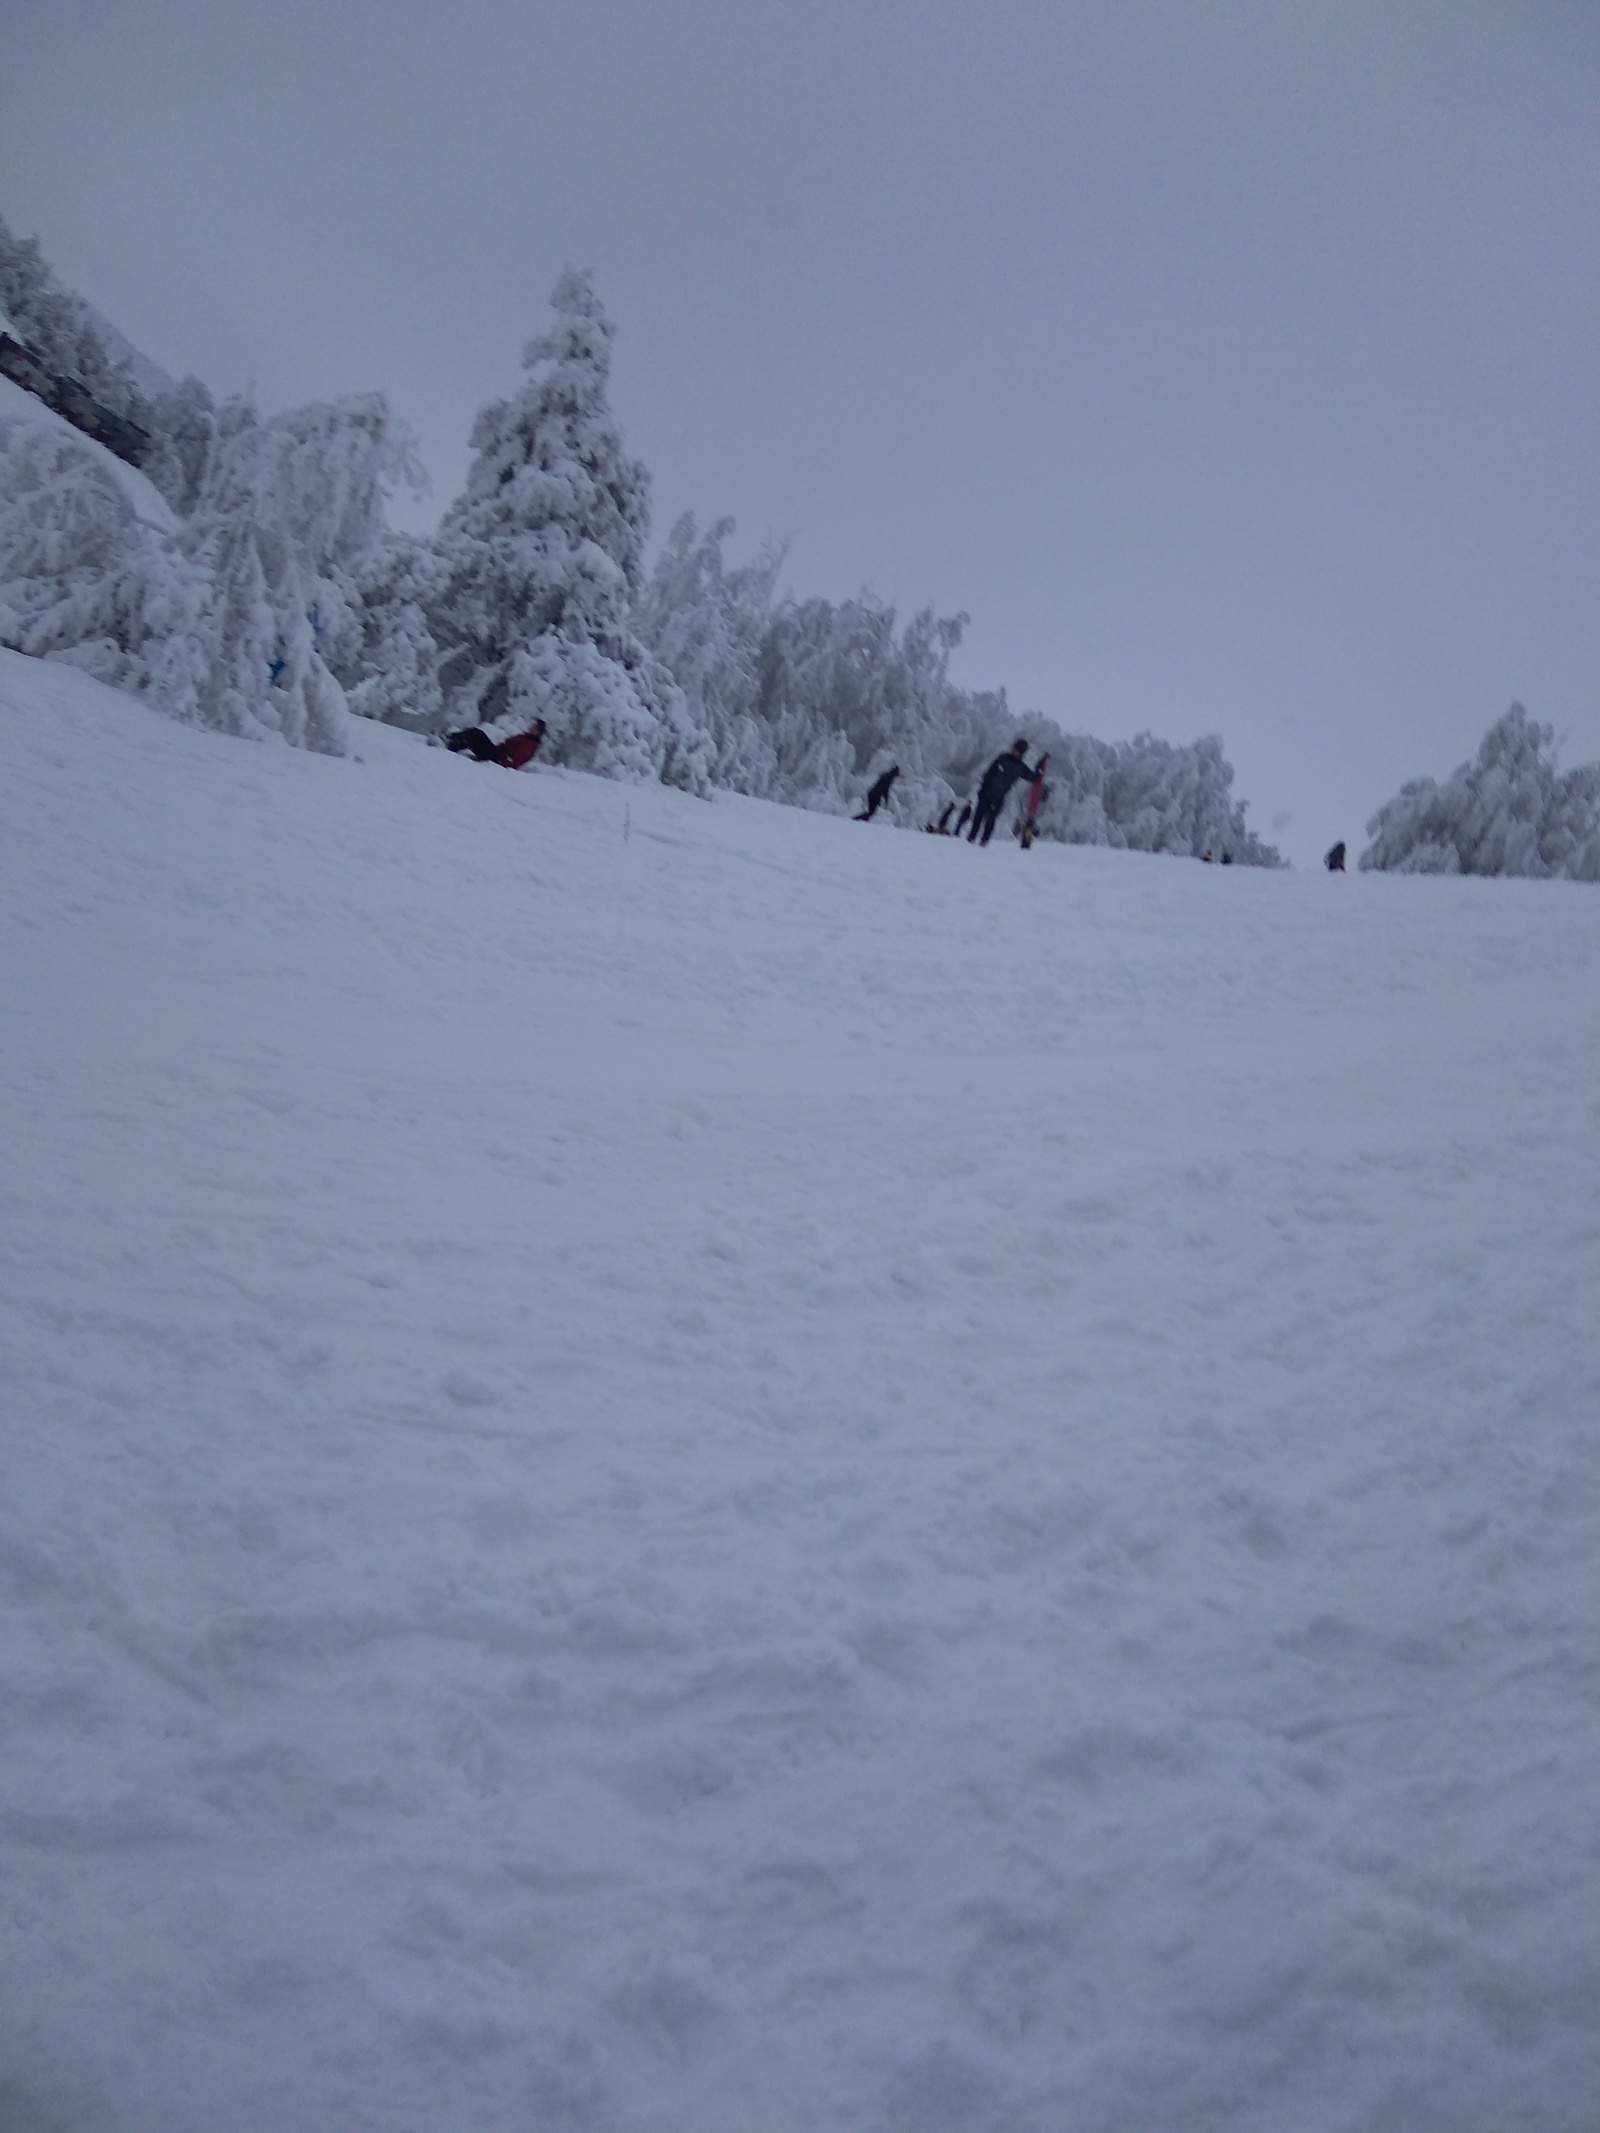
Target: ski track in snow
766,1475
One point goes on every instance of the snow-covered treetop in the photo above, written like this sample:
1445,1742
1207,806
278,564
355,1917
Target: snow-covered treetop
316,476
550,462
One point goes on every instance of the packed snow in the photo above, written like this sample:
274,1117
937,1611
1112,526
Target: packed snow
686,1467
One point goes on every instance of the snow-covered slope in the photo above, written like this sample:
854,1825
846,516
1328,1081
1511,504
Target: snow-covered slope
681,1466
149,505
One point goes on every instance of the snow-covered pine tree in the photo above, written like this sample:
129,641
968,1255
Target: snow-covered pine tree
543,562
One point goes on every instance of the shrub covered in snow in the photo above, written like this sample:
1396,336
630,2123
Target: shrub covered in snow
1511,810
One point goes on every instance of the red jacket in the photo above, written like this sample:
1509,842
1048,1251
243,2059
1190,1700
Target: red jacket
521,749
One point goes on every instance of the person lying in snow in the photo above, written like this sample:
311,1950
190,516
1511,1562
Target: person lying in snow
513,754
520,750
995,790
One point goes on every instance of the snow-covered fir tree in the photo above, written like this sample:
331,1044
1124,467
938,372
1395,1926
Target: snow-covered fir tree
543,558
1512,810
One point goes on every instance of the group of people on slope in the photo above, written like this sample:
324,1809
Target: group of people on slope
1002,774
995,788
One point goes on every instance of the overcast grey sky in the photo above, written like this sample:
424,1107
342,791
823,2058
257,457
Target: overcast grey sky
1236,366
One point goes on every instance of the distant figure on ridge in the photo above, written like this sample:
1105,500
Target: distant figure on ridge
1334,862
995,790
879,793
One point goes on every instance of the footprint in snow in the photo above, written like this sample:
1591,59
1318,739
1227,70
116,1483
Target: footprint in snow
468,1391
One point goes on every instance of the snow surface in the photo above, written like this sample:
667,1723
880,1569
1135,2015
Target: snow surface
149,505
688,1468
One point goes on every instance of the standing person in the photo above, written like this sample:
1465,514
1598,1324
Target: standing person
995,790
879,793
1334,862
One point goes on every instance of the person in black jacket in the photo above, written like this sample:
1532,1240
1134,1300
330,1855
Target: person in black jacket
995,790
1334,858
879,793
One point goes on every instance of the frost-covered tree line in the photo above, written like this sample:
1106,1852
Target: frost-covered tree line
806,701
270,597
1512,810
